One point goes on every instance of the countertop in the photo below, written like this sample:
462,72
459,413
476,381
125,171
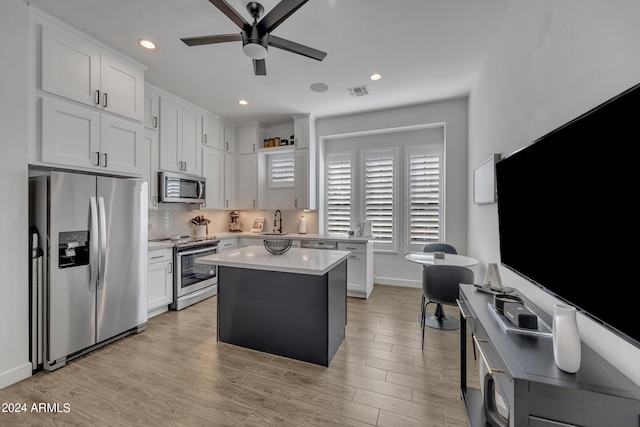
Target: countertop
295,260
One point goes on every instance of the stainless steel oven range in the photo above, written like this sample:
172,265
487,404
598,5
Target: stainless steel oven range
193,282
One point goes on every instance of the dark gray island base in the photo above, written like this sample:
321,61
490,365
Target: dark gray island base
300,316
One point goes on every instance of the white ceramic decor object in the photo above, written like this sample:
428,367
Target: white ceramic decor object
303,225
567,351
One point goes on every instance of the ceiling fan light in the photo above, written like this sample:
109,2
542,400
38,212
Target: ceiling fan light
255,50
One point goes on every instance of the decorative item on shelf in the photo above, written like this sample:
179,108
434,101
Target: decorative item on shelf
258,225
276,142
500,299
234,225
303,225
266,143
271,142
284,142
277,246
567,351
201,228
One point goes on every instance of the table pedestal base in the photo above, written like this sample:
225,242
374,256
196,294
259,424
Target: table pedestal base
438,320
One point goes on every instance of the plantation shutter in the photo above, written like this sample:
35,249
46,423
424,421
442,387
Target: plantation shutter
339,193
281,170
379,194
424,196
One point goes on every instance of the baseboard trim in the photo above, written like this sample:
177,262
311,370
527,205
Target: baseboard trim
393,281
15,375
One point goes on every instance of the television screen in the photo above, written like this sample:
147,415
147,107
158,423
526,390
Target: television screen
567,213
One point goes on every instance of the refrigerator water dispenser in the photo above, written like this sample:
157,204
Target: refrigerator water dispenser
73,248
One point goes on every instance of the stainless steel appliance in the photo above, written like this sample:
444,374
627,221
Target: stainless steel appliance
90,284
181,188
194,282
319,244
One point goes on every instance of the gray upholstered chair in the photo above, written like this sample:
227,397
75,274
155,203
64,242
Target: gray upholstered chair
440,247
440,286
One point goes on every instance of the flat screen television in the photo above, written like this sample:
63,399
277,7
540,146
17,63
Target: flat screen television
568,220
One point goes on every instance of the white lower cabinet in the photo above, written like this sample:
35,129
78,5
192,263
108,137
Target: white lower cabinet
359,268
160,281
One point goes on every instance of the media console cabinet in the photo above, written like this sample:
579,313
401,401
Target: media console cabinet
536,392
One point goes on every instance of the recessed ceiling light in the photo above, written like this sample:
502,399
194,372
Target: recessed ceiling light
319,87
375,76
242,102
147,44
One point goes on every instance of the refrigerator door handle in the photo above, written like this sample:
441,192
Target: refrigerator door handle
102,224
95,267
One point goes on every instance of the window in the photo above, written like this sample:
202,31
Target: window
424,194
339,192
281,170
379,201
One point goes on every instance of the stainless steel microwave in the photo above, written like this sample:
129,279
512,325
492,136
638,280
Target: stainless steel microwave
180,188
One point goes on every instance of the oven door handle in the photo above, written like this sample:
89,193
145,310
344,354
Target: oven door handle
197,251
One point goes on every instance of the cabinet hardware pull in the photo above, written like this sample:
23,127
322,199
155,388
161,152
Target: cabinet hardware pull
96,97
465,315
254,147
490,370
170,267
155,200
104,100
226,145
295,203
205,138
97,163
155,121
226,203
104,157
157,256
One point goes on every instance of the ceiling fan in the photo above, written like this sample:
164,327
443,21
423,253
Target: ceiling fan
256,37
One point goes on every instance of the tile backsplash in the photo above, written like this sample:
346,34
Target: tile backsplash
175,218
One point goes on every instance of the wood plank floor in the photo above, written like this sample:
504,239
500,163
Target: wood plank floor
176,374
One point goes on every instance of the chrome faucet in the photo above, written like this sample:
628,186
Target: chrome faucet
276,220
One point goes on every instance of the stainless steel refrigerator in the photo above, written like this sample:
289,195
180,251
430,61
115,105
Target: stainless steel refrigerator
89,272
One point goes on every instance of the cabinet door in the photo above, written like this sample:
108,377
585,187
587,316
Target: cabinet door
191,137
229,138
159,285
229,180
301,178
70,66
213,171
151,109
70,134
212,133
301,131
247,181
247,139
151,160
356,273
121,145
170,135
122,86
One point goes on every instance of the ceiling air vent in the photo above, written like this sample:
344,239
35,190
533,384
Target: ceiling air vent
358,91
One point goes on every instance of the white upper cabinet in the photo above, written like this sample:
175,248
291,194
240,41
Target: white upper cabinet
213,164
180,136
81,137
212,132
249,138
151,108
301,130
229,138
76,68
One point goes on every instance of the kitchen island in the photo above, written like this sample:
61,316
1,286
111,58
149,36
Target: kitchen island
292,305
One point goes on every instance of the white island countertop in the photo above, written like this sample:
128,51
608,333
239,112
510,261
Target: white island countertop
295,260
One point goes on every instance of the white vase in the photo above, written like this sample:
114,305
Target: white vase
567,352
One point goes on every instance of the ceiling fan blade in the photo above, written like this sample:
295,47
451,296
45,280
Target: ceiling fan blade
259,67
298,48
231,13
278,14
220,38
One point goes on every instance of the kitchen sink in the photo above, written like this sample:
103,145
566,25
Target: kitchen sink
274,234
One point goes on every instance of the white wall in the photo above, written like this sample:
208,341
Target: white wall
551,62
14,250
393,268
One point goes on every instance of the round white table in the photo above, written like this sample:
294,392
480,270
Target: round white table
438,319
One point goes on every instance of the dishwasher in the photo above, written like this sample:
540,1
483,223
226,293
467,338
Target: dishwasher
319,244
